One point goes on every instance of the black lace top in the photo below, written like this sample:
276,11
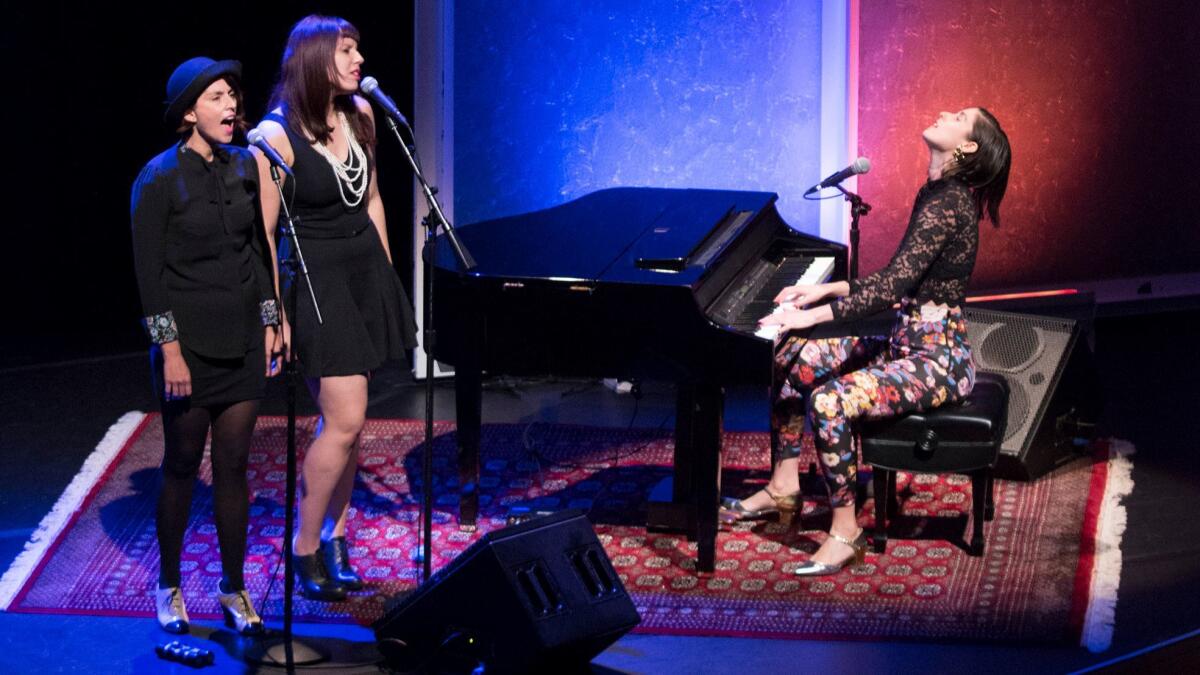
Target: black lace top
935,258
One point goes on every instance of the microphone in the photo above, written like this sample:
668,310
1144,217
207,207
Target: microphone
256,139
370,87
860,165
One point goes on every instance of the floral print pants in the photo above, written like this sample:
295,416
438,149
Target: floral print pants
925,362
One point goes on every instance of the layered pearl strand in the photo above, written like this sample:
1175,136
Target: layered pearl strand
352,175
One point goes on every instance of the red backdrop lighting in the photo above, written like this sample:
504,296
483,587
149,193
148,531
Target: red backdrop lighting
1099,100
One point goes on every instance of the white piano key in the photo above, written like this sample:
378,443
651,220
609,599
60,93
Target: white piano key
818,272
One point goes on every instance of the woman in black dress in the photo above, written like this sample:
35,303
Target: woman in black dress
926,360
203,274
326,135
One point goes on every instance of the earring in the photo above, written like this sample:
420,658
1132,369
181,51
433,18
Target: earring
959,155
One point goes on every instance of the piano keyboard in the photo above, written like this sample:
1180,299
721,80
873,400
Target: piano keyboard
753,296
818,270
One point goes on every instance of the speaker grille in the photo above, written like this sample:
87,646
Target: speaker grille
1008,347
1027,352
1018,412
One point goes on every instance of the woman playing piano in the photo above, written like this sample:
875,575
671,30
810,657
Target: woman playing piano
925,361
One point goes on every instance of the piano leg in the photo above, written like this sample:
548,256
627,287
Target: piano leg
669,507
468,401
685,439
706,471
689,501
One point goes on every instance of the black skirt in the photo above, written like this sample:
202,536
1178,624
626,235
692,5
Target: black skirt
216,381
366,316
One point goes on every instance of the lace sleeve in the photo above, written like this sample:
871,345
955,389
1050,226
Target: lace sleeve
934,223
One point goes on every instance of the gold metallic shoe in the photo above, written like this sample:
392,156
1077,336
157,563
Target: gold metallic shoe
785,506
239,612
812,568
172,615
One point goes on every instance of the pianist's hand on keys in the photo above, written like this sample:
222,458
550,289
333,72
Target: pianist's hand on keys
773,331
808,290
802,295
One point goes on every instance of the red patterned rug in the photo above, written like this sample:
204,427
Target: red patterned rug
1050,572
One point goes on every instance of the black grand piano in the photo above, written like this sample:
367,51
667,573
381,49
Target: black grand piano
645,283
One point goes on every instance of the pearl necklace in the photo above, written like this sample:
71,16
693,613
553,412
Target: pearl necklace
352,175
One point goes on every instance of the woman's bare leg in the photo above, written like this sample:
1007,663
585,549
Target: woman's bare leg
343,404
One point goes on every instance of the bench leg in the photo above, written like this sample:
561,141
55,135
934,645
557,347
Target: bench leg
989,509
893,497
883,499
979,489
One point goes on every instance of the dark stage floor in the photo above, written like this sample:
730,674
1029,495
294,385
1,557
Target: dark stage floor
52,416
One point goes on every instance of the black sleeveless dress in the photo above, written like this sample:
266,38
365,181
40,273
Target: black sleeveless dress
367,316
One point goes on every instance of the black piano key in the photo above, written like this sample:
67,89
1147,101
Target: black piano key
763,301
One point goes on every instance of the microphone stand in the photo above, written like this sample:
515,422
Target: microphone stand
285,651
431,222
858,208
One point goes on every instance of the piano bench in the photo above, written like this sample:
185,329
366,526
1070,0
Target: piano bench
960,438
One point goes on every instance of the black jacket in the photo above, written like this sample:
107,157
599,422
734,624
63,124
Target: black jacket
199,251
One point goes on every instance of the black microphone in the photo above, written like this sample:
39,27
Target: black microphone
860,165
370,87
256,139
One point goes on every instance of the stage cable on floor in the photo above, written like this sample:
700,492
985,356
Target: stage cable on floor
532,451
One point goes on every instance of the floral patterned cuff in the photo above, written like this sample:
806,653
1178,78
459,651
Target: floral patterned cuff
269,311
161,327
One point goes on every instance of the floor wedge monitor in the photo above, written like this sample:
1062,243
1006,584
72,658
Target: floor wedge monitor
540,596
1053,401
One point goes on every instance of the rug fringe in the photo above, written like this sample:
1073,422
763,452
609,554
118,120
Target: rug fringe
68,503
1100,617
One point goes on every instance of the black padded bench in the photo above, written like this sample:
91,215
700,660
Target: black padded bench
957,438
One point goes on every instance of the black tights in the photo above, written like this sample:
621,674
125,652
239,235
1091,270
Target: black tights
185,429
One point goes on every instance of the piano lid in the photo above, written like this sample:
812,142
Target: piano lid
618,234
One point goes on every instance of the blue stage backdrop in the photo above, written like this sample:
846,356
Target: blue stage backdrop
553,100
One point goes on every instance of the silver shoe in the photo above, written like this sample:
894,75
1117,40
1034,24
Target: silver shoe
239,612
785,506
812,568
172,615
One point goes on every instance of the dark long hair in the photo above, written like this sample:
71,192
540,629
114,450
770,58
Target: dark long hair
986,169
306,81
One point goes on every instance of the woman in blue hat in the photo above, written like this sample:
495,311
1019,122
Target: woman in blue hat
203,273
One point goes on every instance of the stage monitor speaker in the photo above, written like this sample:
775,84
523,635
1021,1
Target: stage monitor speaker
541,596
1053,397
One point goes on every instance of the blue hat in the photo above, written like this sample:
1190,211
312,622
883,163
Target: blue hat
190,80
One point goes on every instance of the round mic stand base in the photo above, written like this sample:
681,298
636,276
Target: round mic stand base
274,652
